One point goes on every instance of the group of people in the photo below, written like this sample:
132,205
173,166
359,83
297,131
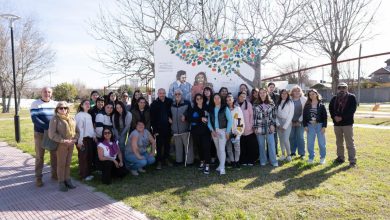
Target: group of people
115,136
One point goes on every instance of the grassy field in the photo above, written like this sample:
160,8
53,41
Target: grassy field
294,190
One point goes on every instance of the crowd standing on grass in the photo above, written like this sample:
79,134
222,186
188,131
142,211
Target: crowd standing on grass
216,131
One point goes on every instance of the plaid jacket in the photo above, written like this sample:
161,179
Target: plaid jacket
263,118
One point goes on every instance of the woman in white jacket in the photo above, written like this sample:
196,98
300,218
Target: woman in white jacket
237,130
284,115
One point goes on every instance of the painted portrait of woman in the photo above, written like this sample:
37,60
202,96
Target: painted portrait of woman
200,83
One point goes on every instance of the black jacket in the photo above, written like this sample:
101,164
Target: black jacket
160,112
347,114
197,126
137,116
322,116
275,97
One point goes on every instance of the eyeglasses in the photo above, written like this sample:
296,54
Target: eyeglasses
342,87
62,108
107,133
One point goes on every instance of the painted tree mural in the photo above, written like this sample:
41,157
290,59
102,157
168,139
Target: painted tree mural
223,56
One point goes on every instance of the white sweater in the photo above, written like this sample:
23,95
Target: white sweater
286,114
238,121
84,124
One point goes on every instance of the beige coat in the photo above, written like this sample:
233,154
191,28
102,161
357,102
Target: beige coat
57,130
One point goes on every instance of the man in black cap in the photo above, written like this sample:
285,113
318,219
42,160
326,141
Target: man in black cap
342,108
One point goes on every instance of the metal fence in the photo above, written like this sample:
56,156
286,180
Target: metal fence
371,95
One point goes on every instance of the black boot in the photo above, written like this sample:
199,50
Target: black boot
62,187
69,184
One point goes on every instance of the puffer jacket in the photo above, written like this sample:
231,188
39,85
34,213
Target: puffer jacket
178,110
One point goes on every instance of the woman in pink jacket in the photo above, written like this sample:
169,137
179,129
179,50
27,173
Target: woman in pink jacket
248,141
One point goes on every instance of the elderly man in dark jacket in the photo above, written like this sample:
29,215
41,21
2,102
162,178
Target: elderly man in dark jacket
342,109
160,113
180,127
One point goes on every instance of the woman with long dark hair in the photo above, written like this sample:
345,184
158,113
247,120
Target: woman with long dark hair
121,124
200,132
315,122
134,100
248,141
220,124
254,95
110,157
284,115
141,113
264,114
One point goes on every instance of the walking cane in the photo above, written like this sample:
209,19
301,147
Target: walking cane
188,143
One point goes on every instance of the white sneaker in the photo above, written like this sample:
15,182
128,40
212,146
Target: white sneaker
222,172
218,169
275,164
310,161
262,164
89,178
134,172
322,161
289,159
281,158
141,170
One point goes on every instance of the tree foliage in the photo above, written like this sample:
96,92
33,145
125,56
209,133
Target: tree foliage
65,92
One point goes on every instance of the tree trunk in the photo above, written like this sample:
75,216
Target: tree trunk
9,101
3,101
19,95
335,74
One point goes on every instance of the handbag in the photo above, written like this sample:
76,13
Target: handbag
47,143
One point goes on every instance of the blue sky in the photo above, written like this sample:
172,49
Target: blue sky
65,27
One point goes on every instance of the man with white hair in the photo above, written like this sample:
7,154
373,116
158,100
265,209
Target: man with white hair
42,110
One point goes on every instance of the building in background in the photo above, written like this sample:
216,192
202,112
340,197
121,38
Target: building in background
382,75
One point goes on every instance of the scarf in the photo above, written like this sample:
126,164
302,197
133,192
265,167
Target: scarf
112,148
70,125
341,102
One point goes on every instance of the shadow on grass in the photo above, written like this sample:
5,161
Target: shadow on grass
311,180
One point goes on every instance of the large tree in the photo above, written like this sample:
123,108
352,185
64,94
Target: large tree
337,25
132,28
33,58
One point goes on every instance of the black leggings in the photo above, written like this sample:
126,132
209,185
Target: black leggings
203,143
249,149
109,170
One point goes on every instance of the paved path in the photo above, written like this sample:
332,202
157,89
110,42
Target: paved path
21,199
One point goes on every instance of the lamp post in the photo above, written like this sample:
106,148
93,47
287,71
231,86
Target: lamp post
11,18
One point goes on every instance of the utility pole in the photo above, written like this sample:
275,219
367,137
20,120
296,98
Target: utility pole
360,54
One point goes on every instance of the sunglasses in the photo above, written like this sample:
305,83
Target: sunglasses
62,108
342,87
107,133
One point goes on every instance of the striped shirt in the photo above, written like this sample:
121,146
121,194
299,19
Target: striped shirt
41,112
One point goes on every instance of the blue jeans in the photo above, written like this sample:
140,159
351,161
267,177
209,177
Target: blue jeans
134,163
271,149
297,140
314,130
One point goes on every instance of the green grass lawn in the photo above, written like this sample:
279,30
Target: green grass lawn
369,108
373,121
292,191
